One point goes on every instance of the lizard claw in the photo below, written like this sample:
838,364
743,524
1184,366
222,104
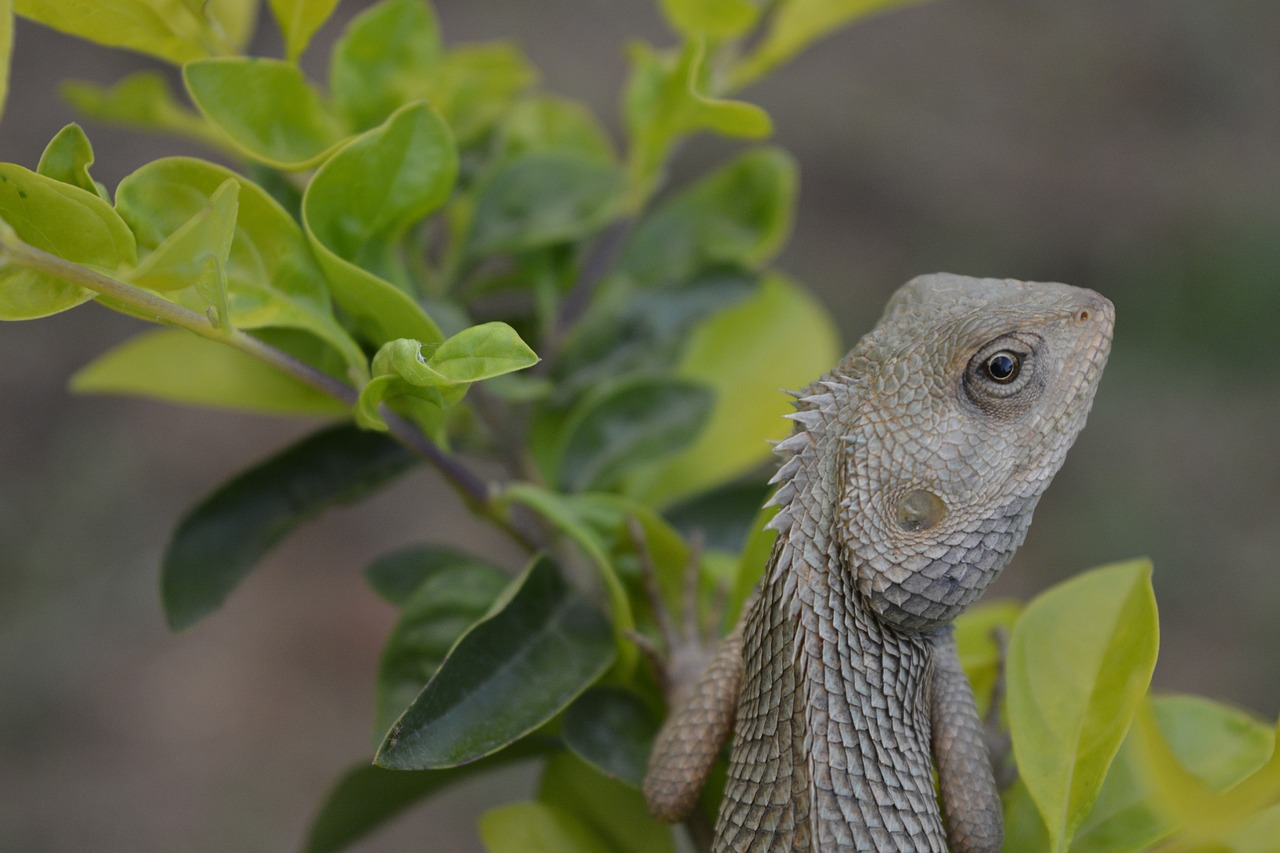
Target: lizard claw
684,646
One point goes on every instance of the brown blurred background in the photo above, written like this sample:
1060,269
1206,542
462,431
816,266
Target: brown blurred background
1131,147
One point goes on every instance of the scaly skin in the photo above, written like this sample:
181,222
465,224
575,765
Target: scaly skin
908,484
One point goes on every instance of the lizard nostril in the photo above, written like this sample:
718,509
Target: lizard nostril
919,510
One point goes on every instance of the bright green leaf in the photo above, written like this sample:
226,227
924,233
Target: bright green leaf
482,352
1217,744
718,18
273,279
266,109
664,101
538,200
612,730
778,338
359,204
181,258
740,215
537,828
613,811
223,537
142,100
173,30
395,576
446,603
61,219
299,20
797,23
385,59
629,424
179,367
537,651
67,158
1074,685
544,123
367,796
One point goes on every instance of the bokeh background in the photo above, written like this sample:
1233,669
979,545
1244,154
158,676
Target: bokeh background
1130,147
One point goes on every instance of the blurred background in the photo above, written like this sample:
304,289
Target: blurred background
1130,147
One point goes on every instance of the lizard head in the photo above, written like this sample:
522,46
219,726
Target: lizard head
962,404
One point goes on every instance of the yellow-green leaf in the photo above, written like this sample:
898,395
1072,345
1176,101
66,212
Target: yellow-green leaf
613,811
537,828
6,49
1080,660
299,20
143,100
67,158
718,18
777,338
61,219
385,59
179,367
265,108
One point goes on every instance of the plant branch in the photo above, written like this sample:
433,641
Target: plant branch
475,491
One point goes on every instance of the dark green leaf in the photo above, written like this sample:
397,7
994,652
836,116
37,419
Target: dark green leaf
632,423
384,60
508,675
540,199
613,731
723,517
367,796
395,576
739,215
225,535
446,604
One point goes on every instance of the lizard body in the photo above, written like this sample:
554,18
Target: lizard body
907,484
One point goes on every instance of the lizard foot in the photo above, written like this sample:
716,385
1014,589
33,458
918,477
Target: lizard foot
999,743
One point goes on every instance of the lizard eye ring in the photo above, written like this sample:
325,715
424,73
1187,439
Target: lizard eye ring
1003,367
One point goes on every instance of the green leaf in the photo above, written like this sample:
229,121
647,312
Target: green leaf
537,828
61,219
1218,744
613,811
613,731
266,109
629,424
718,18
740,215
179,367
299,20
795,24
173,30
538,200
509,674
142,100
395,576
272,277
980,655
180,260
482,352
665,101
223,537
367,796
67,158
475,86
1075,684
779,338
545,123
384,59
446,603
753,561
359,204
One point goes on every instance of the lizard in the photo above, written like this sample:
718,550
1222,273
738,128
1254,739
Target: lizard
907,483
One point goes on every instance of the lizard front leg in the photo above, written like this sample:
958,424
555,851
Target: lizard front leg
970,799
697,729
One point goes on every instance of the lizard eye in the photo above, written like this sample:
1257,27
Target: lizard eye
1003,366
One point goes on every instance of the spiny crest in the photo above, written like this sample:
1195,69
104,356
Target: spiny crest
815,407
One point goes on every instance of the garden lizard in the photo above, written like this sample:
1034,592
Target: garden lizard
908,482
